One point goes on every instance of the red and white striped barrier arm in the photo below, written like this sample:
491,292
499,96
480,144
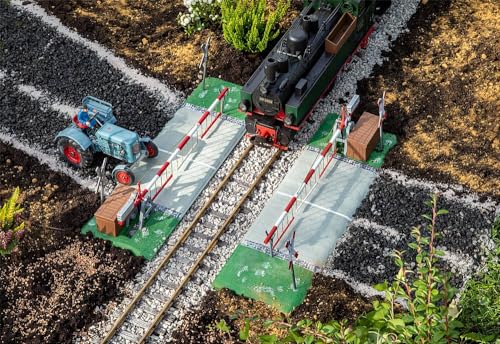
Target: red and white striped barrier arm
152,187
286,218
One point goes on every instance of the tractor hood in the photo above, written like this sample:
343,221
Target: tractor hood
118,135
119,142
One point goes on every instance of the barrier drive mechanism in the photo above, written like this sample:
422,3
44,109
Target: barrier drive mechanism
141,200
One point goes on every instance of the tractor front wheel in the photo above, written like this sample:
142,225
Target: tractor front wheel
74,154
152,149
123,175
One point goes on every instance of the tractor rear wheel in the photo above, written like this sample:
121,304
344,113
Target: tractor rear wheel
74,154
152,149
123,175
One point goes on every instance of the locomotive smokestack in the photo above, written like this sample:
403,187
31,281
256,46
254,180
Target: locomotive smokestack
310,23
271,68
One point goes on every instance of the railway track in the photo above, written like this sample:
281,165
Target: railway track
148,307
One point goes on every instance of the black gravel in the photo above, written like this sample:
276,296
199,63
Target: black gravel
27,119
32,53
365,253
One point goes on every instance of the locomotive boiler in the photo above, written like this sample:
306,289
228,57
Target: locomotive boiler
282,92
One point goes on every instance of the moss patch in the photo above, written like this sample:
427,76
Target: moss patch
205,97
257,275
158,228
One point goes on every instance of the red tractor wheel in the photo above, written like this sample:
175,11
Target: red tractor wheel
124,176
152,149
74,154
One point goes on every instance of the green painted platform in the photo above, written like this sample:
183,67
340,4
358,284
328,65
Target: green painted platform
259,276
204,97
253,273
192,177
324,133
145,243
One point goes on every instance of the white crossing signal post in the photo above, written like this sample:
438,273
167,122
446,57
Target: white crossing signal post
101,181
382,115
292,255
204,61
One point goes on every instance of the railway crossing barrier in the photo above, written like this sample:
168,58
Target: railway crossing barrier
143,197
317,170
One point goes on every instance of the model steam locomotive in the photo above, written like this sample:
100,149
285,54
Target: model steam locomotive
282,92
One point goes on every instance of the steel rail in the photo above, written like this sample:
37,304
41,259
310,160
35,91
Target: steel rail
209,248
121,319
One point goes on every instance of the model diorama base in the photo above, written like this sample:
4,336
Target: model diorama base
319,224
191,177
259,276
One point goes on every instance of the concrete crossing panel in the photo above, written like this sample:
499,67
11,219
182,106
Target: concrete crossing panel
199,166
323,219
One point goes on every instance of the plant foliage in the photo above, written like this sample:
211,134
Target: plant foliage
480,302
415,309
200,14
249,25
12,228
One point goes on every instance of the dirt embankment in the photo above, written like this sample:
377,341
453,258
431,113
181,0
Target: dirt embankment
51,287
443,79
147,35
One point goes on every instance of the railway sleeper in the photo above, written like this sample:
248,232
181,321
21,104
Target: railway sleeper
132,337
203,236
219,214
138,322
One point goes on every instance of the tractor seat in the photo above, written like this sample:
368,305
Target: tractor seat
78,123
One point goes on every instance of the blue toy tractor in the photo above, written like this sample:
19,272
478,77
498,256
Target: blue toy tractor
78,143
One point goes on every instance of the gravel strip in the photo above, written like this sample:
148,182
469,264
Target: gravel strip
36,55
168,95
391,25
394,206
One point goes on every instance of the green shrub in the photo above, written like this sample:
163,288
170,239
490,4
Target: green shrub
249,25
423,289
201,13
480,302
11,226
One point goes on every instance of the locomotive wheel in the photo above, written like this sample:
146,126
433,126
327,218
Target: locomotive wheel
152,149
124,176
74,154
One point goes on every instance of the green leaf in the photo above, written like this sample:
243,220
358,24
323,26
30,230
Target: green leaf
395,323
267,323
245,332
381,286
222,326
268,339
309,339
478,337
442,212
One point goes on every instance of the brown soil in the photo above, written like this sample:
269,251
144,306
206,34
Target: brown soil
327,299
443,80
52,285
147,35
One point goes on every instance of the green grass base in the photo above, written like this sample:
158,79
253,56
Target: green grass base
205,97
257,275
159,227
324,133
